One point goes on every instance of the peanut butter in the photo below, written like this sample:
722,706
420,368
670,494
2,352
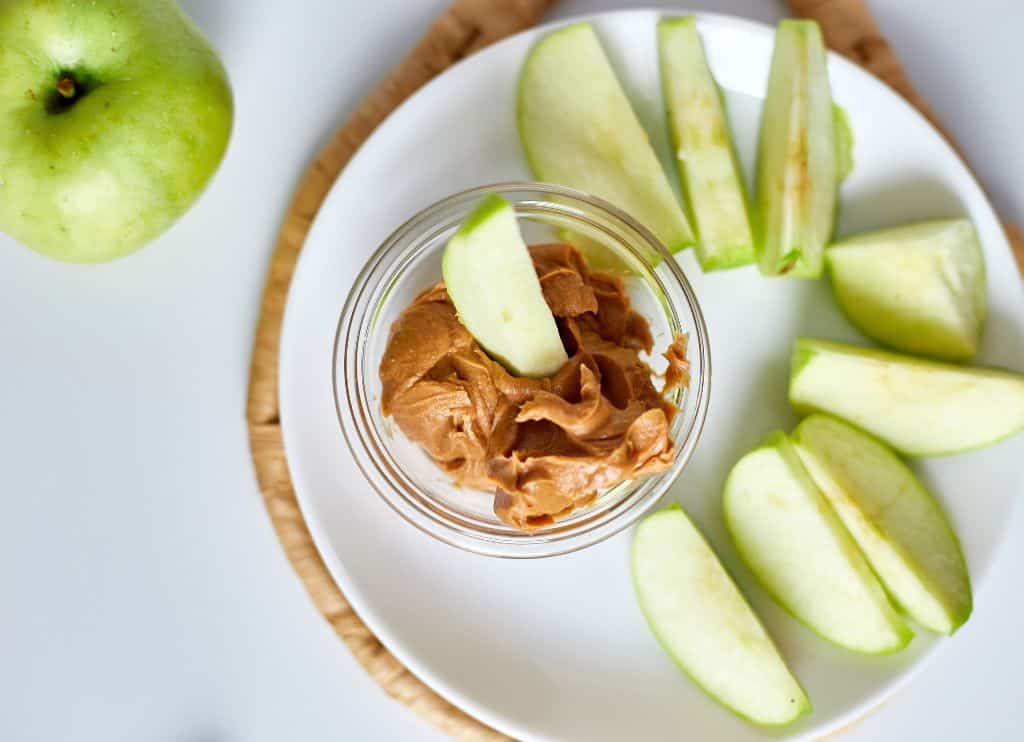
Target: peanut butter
543,446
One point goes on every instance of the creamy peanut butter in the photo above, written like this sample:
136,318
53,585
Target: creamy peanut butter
543,446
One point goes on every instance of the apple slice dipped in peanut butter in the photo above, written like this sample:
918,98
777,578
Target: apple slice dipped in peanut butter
475,372
491,280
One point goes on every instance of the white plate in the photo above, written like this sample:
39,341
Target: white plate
556,648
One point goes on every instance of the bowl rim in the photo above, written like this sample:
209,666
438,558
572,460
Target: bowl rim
345,372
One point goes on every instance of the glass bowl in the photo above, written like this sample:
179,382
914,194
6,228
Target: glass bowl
409,261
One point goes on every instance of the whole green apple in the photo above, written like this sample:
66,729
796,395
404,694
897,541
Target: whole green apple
113,116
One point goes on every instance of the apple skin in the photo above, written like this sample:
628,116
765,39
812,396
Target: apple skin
92,177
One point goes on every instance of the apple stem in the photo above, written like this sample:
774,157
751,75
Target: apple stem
66,87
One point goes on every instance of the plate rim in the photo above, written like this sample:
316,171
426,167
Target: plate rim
336,568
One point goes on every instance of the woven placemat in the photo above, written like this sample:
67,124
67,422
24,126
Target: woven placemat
465,27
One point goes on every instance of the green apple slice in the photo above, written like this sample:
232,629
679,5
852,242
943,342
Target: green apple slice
897,523
844,142
798,549
702,620
919,407
491,280
579,130
797,164
919,288
708,169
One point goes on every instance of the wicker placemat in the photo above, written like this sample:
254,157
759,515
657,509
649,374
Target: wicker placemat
467,25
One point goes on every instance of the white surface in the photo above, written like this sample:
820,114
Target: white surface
145,596
456,619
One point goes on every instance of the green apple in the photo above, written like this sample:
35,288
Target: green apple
702,620
578,130
897,523
709,172
919,407
799,162
796,546
113,116
919,288
491,280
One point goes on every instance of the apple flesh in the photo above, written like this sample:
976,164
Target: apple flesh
798,162
703,622
897,523
578,129
798,549
918,288
919,407
708,169
113,117
491,280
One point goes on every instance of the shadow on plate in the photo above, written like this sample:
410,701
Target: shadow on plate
911,198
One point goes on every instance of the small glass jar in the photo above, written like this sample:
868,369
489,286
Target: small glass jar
409,261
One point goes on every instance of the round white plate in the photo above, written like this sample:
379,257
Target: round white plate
557,648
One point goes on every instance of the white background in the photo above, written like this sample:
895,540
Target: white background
144,595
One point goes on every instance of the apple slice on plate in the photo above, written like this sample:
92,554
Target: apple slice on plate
918,288
796,546
708,169
898,525
579,130
702,620
844,142
919,407
798,168
491,280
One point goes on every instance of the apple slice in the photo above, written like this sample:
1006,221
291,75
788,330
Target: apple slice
578,129
708,169
919,407
491,280
798,549
918,288
898,525
797,164
702,620
844,142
